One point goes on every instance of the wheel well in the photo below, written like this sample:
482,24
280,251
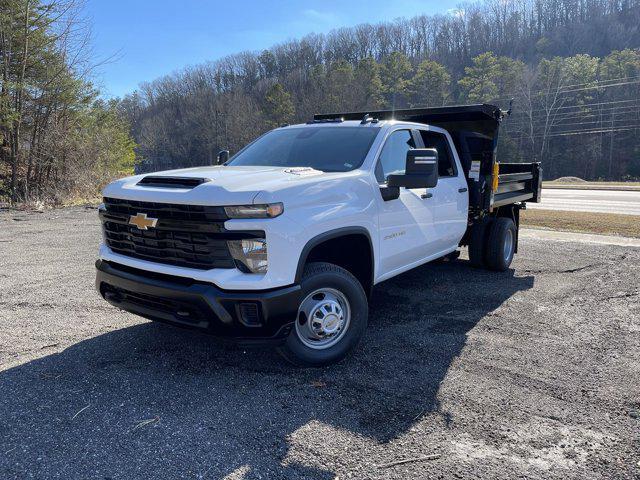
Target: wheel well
512,212
350,251
509,211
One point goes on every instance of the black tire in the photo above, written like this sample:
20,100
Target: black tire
478,242
327,275
501,244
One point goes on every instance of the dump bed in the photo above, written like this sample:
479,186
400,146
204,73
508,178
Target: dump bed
474,130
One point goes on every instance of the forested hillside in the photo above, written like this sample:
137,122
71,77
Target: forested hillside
58,140
571,66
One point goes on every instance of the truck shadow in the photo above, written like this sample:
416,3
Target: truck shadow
166,403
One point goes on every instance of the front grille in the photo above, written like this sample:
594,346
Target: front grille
190,236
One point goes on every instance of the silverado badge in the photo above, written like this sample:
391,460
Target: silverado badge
141,221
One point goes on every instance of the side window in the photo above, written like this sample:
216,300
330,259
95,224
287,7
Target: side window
393,156
446,163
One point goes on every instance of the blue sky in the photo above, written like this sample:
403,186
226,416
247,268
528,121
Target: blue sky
156,37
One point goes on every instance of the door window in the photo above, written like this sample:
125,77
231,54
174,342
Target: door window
393,157
446,163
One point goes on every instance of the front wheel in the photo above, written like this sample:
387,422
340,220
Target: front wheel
331,319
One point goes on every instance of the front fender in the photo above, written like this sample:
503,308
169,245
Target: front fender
325,210
323,237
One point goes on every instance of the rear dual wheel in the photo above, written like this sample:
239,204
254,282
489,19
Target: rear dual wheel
501,244
478,241
492,243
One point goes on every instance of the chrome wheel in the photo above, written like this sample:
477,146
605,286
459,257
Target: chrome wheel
508,246
323,318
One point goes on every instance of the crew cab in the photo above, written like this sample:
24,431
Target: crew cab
284,241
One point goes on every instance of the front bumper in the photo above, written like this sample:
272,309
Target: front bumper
248,316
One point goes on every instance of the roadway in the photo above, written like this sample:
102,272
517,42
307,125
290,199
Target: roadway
578,200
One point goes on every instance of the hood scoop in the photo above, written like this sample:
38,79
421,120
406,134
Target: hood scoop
172,182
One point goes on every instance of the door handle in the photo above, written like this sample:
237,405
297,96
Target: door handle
462,190
426,195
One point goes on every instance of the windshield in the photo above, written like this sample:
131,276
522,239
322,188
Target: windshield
330,149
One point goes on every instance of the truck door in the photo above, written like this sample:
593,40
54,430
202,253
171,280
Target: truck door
407,231
449,198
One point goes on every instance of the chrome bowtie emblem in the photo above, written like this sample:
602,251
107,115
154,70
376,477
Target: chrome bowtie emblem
141,221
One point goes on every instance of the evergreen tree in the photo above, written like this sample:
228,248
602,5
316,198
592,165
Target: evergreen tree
278,107
367,85
581,73
620,64
479,83
48,113
430,86
339,83
395,74
509,77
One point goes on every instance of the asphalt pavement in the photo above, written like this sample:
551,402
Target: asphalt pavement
625,202
464,373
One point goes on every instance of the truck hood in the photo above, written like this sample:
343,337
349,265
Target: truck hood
222,185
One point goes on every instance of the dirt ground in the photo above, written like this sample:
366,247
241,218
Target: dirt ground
465,373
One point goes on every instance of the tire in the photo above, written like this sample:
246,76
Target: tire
333,289
501,244
478,242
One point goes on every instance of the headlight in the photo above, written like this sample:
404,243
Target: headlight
268,210
250,254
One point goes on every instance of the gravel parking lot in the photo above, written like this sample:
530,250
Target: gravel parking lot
464,373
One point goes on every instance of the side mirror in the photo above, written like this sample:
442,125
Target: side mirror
223,156
389,193
421,170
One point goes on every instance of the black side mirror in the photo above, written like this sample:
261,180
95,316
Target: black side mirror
421,170
389,193
223,156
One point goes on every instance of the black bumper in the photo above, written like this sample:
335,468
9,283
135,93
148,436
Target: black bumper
244,315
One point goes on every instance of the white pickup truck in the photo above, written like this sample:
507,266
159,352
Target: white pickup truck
284,241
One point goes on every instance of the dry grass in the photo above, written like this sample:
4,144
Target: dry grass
602,223
560,183
83,201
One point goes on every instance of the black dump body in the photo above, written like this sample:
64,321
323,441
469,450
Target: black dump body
474,130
